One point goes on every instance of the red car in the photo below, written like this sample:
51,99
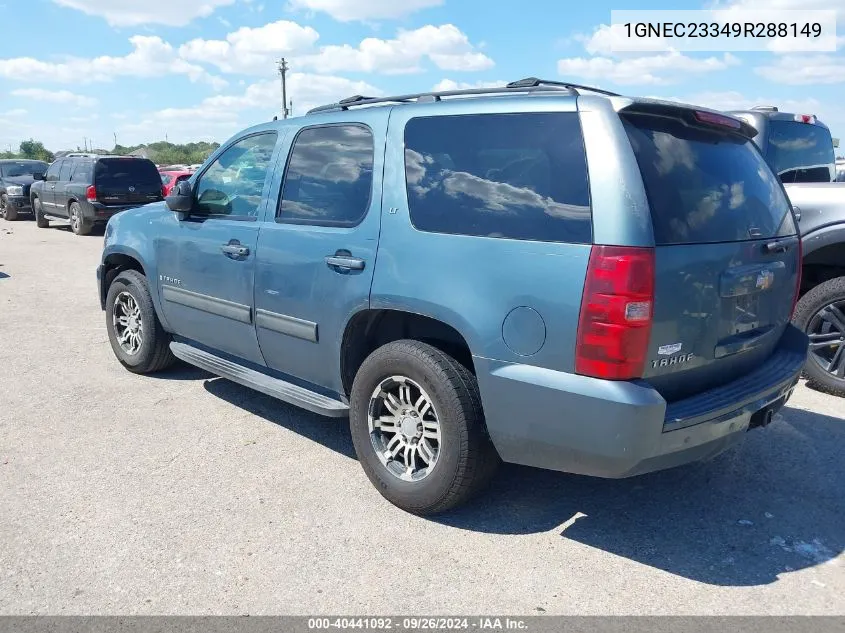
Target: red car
170,178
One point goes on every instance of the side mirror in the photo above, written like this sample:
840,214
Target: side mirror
181,198
40,176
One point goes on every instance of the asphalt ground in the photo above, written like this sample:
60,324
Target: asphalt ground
187,494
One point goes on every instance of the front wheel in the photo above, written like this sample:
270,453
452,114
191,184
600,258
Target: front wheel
6,211
418,428
821,314
135,333
41,220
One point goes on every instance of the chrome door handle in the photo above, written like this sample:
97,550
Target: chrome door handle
235,249
345,262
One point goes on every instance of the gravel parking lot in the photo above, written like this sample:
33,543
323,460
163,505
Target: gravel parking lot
188,494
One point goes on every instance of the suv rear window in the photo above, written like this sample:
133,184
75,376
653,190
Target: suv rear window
801,152
517,176
705,186
125,172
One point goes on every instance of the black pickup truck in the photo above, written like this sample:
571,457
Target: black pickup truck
16,178
800,149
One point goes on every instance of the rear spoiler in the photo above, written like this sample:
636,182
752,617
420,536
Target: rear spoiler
692,115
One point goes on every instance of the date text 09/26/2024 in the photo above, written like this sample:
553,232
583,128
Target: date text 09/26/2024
418,623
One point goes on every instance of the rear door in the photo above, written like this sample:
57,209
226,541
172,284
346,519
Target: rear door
726,256
126,181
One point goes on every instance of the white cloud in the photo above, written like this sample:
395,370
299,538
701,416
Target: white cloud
220,116
151,57
663,68
800,70
250,50
449,84
349,10
55,96
134,12
446,46
607,39
14,113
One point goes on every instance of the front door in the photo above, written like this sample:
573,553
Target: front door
60,200
206,263
317,255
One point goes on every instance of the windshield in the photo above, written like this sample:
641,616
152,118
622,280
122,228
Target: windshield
706,187
801,152
13,170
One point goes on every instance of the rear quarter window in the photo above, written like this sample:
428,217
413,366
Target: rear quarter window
705,186
801,152
515,176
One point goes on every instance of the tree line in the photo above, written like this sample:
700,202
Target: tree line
162,152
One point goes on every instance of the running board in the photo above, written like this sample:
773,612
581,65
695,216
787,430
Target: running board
290,393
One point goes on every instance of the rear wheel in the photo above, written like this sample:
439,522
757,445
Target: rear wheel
821,314
135,333
6,211
418,428
78,224
41,220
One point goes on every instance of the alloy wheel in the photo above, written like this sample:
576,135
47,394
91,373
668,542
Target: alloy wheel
128,326
404,428
827,338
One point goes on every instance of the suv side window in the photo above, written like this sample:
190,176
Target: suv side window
82,173
329,178
232,185
53,171
64,175
516,176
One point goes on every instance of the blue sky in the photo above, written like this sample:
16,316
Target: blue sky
203,69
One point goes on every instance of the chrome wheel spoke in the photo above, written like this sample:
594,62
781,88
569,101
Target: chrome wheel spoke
404,428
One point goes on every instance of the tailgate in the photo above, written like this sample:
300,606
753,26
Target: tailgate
126,181
726,257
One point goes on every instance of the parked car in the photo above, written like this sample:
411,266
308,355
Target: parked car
800,149
88,191
542,273
171,178
16,177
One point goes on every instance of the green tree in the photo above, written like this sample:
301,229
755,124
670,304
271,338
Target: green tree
35,150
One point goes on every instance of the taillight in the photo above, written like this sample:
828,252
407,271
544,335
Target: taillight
163,191
711,118
616,313
91,194
805,118
800,273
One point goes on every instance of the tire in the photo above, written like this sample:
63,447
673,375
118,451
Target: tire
41,220
465,460
821,314
78,224
153,352
6,211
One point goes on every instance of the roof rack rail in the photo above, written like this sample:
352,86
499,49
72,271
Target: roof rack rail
530,84
534,81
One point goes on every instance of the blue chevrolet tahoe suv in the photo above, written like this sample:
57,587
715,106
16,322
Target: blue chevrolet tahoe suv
542,273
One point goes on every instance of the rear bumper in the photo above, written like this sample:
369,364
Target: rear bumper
549,419
100,213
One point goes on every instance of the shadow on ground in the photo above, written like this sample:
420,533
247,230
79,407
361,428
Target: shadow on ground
772,505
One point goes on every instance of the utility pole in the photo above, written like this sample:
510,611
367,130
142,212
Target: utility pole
85,141
115,138
291,107
283,70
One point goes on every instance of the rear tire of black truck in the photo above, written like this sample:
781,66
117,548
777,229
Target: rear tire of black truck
418,428
6,211
137,338
41,220
821,314
78,223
